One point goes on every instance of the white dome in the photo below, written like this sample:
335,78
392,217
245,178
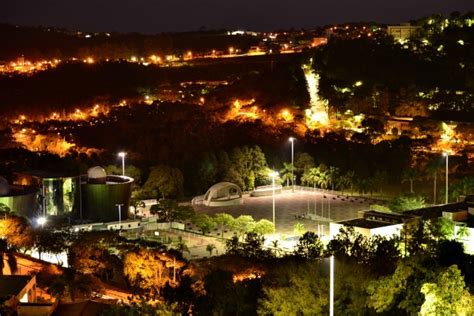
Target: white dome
96,173
4,187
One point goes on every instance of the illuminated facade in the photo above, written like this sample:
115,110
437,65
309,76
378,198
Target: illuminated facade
402,32
93,197
59,194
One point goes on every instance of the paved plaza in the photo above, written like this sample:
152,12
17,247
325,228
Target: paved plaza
291,207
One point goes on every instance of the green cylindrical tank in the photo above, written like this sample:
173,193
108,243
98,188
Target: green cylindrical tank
100,200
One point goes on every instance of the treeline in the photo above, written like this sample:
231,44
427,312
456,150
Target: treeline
424,271
72,85
429,73
38,43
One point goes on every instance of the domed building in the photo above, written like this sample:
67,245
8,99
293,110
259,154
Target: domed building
221,194
97,175
21,200
104,195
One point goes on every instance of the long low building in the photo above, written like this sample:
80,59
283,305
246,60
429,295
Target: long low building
388,224
373,223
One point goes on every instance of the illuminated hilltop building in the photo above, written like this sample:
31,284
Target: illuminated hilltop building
403,31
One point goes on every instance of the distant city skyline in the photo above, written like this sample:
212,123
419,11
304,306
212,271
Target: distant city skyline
153,16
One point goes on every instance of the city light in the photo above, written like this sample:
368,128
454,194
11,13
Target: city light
41,221
122,155
286,115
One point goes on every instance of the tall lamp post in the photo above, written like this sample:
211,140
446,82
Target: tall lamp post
273,174
292,140
331,286
446,154
119,213
122,155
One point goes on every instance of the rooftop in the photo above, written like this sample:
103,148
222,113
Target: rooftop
11,285
388,216
437,211
365,223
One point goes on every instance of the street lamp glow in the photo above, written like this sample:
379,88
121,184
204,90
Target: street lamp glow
122,155
41,221
273,174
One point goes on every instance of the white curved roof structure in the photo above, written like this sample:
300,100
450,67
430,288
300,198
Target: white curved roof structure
223,194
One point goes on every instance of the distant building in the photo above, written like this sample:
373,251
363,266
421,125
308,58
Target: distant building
317,41
373,223
398,125
403,31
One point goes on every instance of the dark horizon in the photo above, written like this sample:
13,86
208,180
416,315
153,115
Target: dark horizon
145,16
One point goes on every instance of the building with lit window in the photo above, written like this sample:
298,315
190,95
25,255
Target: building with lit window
92,197
402,32
59,192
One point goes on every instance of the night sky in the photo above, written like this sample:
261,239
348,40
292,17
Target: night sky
154,16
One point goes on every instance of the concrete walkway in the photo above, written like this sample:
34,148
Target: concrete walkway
291,207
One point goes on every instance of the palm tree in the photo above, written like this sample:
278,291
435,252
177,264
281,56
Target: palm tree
343,181
287,173
433,168
181,245
311,177
465,186
410,175
379,179
275,247
351,177
323,179
299,229
210,248
332,172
